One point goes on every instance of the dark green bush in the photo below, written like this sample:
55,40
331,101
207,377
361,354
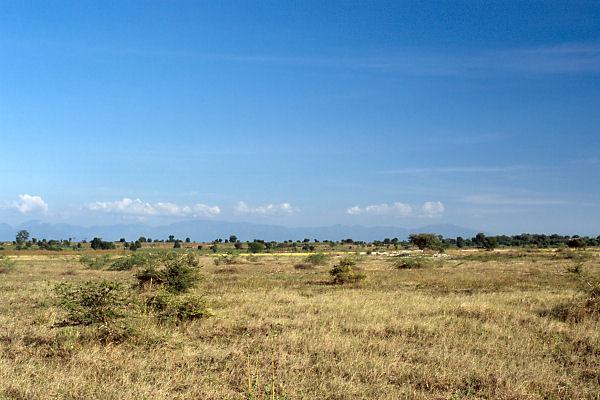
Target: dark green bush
177,273
169,307
346,272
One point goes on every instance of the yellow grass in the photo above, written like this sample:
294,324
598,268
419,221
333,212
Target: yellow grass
469,329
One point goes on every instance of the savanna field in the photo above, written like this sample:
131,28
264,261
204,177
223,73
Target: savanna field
469,324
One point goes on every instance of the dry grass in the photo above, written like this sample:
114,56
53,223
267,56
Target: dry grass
470,328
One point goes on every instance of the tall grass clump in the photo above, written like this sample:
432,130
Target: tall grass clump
584,306
346,271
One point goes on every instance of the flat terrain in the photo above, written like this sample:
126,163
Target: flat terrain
509,324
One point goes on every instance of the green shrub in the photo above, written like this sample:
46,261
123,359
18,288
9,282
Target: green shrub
317,259
346,272
94,262
91,302
177,273
169,307
136,260
6,265
227,259
256,247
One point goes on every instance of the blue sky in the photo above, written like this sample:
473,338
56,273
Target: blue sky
481,114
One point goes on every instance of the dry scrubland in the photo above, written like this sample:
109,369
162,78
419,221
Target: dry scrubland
501,325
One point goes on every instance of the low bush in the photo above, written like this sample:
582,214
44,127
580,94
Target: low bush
91,302
413,263
176,273
92,262
346,271
227,259
317,259
136,260
169,307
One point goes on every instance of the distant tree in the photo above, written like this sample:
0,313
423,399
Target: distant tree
460,242
426,241
256,247
142,239
187,240
171,238
99,244
490,243
122,240
233,239
576,243
22,236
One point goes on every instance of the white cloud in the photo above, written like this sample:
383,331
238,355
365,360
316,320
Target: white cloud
28,204
398,209
354,210
431,209
267,209
138,207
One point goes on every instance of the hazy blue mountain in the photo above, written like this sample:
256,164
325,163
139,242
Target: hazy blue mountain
207,230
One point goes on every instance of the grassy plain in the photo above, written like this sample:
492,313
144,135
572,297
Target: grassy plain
471,325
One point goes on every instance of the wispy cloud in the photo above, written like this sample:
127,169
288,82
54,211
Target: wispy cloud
499,200
395,209
137,207
432,209
562,58
242,208
458,169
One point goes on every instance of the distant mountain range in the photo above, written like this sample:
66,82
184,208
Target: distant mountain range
206,230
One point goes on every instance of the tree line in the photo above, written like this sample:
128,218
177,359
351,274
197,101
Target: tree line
420,240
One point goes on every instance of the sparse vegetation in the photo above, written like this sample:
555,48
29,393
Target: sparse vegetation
6,265
412,263
275,329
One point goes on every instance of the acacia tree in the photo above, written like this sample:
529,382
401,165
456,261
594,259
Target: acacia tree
22,236
426,241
